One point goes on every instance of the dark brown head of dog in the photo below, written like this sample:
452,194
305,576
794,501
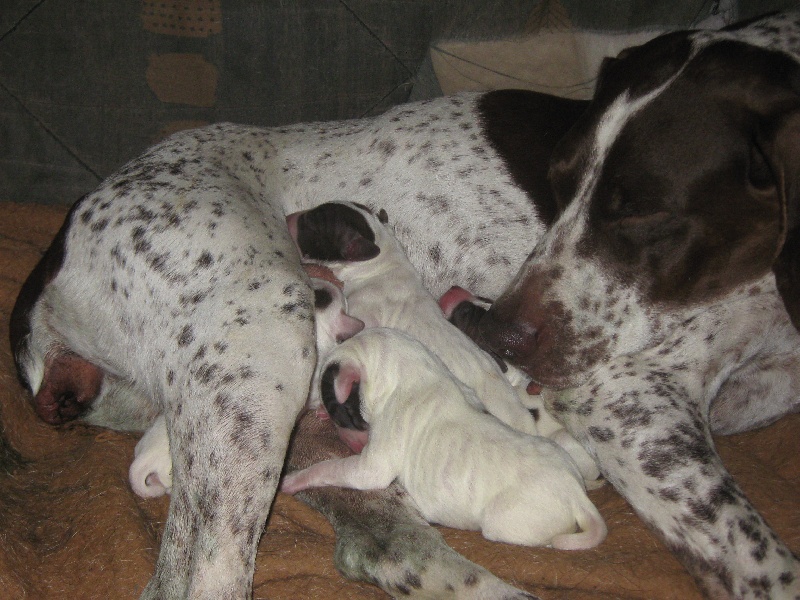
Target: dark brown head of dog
679,185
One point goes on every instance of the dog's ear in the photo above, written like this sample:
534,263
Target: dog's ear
358,248
784,154
347,326
356,238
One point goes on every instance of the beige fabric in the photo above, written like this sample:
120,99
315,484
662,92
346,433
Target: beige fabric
563,63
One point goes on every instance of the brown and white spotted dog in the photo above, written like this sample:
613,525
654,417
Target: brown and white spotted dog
662,305
660,300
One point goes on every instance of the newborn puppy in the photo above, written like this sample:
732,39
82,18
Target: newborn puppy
464,310
462,467
150,473
383,289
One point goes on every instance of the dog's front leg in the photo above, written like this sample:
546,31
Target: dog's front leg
653,444
382,539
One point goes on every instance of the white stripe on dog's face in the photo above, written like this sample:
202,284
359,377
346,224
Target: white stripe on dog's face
620,113
571,321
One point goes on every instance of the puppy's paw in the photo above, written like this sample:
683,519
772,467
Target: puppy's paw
294,482
150,474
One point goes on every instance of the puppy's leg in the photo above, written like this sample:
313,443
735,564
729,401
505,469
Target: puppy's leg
586,464
654,446
357,472
150,474
380,537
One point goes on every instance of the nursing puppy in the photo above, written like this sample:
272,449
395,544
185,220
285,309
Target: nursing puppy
150,474
464,310
462,467
383,289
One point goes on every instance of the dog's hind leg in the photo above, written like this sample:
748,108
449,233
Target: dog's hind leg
758,394
238,376
380,537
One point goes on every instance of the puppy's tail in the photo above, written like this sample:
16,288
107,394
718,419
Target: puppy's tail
593,531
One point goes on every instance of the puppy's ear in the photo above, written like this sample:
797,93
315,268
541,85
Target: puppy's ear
347,382
347,326
359,248
785,161
339,387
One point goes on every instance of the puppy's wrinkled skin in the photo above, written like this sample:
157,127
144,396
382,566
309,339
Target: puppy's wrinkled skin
381,537
383,289
461,467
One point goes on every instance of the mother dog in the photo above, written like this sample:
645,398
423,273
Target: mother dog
660,300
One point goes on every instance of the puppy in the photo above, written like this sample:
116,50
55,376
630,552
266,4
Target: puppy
464,310
150,474
383,289
462,467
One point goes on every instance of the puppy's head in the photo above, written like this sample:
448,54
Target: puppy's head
465,310
337,234
357,378
340,390
333,324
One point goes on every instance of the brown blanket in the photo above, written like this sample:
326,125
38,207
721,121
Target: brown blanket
71,527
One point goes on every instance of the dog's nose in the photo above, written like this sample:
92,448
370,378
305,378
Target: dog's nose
510,340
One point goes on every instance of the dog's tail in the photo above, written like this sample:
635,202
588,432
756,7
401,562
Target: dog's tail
593,531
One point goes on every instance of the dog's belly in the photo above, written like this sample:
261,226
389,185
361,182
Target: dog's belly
449,197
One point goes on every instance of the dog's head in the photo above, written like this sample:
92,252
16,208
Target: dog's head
358,375
680,184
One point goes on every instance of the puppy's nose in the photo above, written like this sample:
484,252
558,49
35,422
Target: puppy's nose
510,340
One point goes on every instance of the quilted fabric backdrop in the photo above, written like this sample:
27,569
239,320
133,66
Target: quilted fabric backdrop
85,86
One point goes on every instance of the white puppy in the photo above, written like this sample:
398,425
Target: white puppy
383,289
462,467
464,310
150,473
